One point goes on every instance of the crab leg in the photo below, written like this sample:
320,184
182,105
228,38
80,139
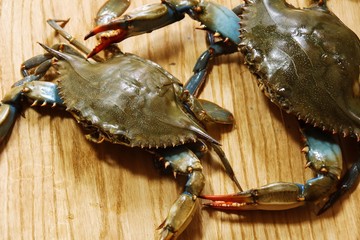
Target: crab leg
154,16
8,114
346,183
44,93
323,157
32,63
182,161
202,65
216,48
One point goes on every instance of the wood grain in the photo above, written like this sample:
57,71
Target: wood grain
56,185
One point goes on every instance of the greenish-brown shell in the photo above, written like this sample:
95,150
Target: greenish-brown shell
127,100
307,62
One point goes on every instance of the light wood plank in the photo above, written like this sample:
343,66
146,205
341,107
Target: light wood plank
56,185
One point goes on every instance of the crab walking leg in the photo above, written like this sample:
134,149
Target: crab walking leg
32,63
44,93
203,65
324,157
347,182
216,48
182,161
41,63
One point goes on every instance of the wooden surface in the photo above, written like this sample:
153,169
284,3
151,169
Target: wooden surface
57,185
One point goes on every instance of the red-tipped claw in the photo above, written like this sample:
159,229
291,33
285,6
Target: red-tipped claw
110,33
113,25
106,40
237,201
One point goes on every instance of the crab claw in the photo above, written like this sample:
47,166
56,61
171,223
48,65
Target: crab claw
276,196
106,39
235,201
147,18
139,21
113,25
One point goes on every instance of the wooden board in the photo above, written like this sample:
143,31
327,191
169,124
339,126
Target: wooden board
57,185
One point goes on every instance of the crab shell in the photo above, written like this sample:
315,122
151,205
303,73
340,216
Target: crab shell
127,100
307,62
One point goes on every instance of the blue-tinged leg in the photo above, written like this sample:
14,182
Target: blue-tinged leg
347,182
182,161
38,92
323,156
216,48
40,64
202,66
31,64
8,114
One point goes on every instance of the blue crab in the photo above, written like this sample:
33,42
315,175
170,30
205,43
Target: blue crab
125,100
301,64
